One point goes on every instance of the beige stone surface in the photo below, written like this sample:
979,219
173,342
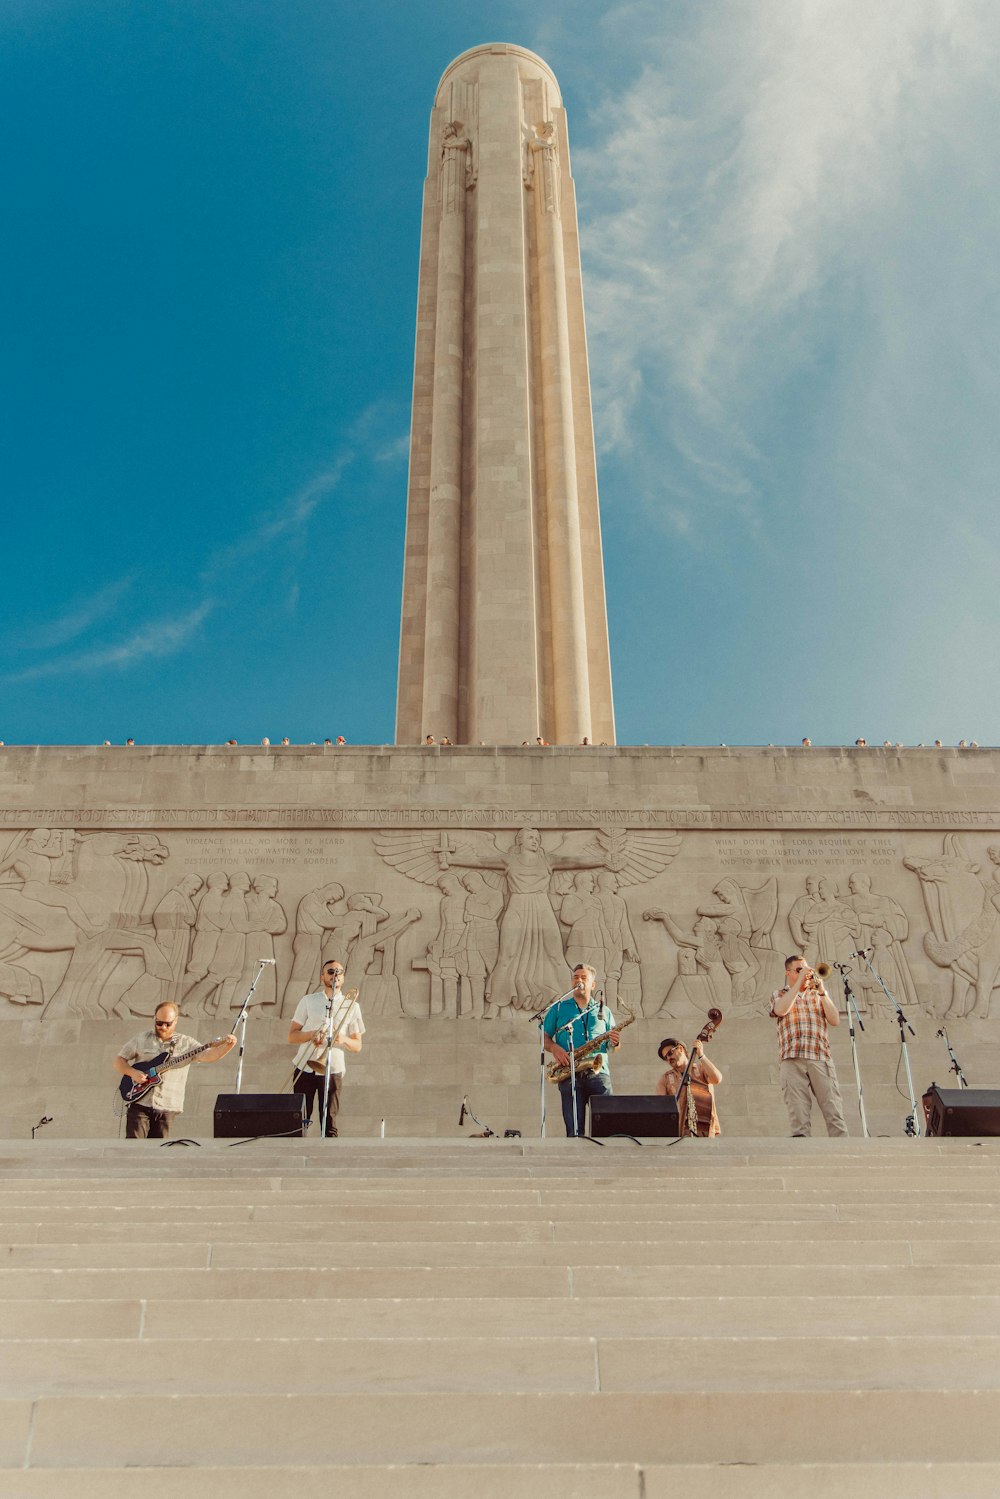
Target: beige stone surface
431,1481
345,848
446,1481
608,1356
504,631
644,1428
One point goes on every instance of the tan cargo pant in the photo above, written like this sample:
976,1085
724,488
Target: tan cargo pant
801,1082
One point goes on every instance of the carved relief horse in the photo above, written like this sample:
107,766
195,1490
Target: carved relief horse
93,910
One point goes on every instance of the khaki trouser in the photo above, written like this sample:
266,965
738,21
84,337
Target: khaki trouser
801,1082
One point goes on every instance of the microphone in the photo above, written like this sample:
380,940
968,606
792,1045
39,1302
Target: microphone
600,1008
863,953
272,961
461,1117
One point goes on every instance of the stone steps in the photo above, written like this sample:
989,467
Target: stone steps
847,1480
488,1428
523,1317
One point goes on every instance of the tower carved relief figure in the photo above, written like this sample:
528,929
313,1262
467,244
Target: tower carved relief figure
313,918
526,956
266,920
479,955
884,927
964,916
504,629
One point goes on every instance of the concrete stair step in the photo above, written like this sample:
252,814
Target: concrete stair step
483,1252
706,1205
848,1480
532,1159
462,1282
646,1429
745,1229
635,1317
690,1363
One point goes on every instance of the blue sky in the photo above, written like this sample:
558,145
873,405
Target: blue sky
789,219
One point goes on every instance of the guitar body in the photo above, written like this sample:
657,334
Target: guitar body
132,1092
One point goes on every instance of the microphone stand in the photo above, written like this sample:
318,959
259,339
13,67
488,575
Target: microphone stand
332,1031
853,1013
487,1133
955,1068
568,1027
241,1019
912,1118
539,1018
685,1132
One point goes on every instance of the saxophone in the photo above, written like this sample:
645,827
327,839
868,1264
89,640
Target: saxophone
586,1058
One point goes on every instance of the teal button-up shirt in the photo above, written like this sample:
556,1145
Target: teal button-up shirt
586,1025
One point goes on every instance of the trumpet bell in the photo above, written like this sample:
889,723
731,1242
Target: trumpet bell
822,970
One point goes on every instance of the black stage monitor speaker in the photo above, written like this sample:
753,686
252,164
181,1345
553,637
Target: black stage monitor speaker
633,1114
251,1114
962,1111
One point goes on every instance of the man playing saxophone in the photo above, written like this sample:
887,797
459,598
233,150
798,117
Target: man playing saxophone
580,1019
804,1010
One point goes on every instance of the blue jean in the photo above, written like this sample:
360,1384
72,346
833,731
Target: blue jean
588,1085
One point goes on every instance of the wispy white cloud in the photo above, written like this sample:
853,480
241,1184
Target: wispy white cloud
156,639
285,524
778,184
80,617
395,451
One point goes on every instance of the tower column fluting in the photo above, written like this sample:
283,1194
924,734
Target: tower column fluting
444,519
569,708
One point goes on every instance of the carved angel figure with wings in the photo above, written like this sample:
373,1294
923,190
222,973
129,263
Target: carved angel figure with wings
531,966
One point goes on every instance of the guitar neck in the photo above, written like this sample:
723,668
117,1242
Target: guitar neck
187,1056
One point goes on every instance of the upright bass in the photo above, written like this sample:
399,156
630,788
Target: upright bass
694,1099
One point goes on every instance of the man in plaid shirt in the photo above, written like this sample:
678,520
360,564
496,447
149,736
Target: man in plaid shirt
803,1010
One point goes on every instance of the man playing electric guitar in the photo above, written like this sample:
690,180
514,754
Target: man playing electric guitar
152,1116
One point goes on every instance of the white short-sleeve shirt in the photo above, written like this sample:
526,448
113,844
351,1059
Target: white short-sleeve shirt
310,1013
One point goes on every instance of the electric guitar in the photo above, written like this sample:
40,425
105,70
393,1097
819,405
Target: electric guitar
132,1092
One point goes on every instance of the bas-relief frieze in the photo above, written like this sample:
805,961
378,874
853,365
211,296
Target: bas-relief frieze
467,924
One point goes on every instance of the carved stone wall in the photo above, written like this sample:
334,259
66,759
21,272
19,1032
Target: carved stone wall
459,885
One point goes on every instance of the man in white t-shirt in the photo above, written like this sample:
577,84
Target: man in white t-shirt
326,1023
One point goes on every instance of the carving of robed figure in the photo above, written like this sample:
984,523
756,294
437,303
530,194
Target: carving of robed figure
531,961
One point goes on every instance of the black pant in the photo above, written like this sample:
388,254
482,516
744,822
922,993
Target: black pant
142,1123
311,1084
588,1085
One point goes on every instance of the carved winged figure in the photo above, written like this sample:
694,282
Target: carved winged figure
531,965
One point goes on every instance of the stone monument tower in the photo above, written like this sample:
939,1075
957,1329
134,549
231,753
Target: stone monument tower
504,630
